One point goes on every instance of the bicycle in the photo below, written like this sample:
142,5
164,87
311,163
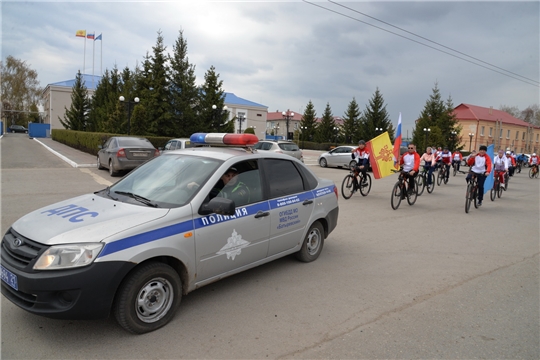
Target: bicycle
506,181
472,193
518,167
497,189
401,191
355,181
441,176
533,172
454,166
422,183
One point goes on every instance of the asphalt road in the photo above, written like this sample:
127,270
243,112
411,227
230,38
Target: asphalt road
423,281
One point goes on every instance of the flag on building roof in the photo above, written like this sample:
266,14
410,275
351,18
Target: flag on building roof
397,143
80,33
90,36
98,38
380,155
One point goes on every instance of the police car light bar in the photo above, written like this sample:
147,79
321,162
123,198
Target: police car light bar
223,139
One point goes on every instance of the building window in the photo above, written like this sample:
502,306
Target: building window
523,136
490,132
517,135
500,134
508,134
482,131
536,137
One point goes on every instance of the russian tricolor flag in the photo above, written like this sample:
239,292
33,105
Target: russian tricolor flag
397,143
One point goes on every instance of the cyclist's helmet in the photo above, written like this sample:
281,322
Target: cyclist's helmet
361,142
534,154
508,153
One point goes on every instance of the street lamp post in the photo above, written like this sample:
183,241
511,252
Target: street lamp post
276,128
336,130
287,115
453,139
470,141
223,111
129,103
241,118
426,132
303,129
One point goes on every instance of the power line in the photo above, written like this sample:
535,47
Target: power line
421,43
431,41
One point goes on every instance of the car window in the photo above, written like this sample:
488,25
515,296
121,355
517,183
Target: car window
122,141
288,147
283,177
168,180
168,145
244,187
267,146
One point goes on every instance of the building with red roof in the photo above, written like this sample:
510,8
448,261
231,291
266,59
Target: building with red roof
486,126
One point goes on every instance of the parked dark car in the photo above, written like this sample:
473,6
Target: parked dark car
125,153
17,129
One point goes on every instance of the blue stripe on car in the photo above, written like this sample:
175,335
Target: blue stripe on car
209,220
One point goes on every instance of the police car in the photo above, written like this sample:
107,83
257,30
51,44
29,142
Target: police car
178,222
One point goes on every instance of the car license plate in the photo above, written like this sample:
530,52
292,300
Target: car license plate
9,278
139,154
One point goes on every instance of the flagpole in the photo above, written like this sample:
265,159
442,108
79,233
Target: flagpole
101,55
93,54
84,54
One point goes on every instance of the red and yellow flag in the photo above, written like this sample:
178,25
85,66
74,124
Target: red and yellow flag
381,155
80,33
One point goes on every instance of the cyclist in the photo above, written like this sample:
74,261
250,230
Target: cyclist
429,161
521,159
438,153
534,161
511,163
361,155
446,160
456,159
410,162
480,164
500,164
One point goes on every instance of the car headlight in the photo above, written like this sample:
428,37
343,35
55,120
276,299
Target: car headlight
68,256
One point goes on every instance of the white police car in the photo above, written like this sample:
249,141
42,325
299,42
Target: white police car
174,224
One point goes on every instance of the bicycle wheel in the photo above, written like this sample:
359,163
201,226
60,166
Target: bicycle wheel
493,192
445,179
348,186
475,197
411,196
439,178
499,190
531,173
468,198
420,184
518,169
431,186
506,181
536,174
395,200
455,169
365,186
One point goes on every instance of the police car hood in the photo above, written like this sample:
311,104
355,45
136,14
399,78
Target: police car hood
87,218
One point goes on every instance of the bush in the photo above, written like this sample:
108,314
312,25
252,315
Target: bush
88,142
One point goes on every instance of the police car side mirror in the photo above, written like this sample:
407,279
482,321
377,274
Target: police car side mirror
218,205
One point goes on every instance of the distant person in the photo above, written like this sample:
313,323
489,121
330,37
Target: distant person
410,162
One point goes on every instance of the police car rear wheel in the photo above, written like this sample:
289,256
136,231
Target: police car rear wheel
313,244
112,172
148,298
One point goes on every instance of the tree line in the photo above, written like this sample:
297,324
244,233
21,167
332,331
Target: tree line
170,104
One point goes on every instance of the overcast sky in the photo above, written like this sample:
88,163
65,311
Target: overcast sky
284,53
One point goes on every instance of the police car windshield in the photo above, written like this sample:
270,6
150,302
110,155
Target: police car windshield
167,181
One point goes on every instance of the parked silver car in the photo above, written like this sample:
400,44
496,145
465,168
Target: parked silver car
124,153
176,144
338,157
178,222
280,147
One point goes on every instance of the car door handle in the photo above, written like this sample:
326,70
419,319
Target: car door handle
307,202
261,214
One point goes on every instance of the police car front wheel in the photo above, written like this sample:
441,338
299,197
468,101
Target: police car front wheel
313,244
148,298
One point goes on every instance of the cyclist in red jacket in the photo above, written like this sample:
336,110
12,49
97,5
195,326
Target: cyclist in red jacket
480,164
410,161
446,159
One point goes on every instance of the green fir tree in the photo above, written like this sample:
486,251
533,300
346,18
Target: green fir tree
76,117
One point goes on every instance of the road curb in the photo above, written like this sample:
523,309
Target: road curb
69,161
